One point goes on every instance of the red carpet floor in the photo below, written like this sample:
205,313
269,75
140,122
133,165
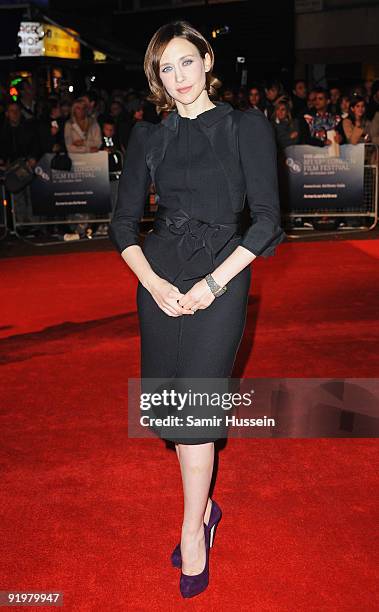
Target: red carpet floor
89,512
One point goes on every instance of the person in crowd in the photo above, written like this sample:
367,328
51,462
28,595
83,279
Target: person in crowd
242,101
334,100
18,137
91,100
345,105
310,107
82,134
27,99
228,95
111,144
51,129
275,93
359,90
373,105
367,89
149,110
256,98
42,108
138,113
130,100
116,110
374,129
122,120
285,126
314,127
356,126
65,109
299,97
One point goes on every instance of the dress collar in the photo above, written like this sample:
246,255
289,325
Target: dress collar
207,118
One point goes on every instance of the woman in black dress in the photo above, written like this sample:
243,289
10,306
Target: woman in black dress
193,270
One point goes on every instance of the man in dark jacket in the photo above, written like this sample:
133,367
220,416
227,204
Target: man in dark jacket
18,137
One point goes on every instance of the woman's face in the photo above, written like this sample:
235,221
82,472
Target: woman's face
359,109
281,112
254,96
345,104
272,93
182,70
79,111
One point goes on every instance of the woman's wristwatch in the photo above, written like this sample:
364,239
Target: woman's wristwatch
214,287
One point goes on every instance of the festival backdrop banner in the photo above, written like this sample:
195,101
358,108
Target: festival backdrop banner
311,178
85,189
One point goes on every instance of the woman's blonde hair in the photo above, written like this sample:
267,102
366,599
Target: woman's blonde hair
159,96
76,104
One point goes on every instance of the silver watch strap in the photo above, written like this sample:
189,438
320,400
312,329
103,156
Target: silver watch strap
216,289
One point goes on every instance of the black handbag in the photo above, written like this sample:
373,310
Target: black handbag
61,161
18,175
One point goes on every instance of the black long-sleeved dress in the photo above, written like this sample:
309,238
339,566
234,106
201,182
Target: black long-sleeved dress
194,231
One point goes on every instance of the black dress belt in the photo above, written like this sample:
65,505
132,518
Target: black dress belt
192,244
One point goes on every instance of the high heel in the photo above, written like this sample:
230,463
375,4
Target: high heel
214,518
194,585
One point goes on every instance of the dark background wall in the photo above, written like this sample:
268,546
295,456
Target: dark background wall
261,32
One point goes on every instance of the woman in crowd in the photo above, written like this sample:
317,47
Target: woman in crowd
356,127
286,127
82,133
256,98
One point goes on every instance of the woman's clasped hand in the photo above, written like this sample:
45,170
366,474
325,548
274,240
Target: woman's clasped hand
175,304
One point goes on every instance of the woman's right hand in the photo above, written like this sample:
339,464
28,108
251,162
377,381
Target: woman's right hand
166,296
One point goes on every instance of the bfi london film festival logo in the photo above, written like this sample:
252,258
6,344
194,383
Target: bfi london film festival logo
294,166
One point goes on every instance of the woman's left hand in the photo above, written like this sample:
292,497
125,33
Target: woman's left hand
199,296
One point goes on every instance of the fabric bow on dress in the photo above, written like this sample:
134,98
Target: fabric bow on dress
192,246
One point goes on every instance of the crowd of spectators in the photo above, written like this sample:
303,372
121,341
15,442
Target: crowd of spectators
99,120
306,115
30,127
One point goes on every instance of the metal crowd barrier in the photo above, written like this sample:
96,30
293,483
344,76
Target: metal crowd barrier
22,216
22,211
365,210
50,227
22,201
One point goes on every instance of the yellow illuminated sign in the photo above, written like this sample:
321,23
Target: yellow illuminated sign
57,43
98,56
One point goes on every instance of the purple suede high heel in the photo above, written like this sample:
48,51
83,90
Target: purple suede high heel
214,517
193,585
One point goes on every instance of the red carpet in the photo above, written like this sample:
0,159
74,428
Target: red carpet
89,512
